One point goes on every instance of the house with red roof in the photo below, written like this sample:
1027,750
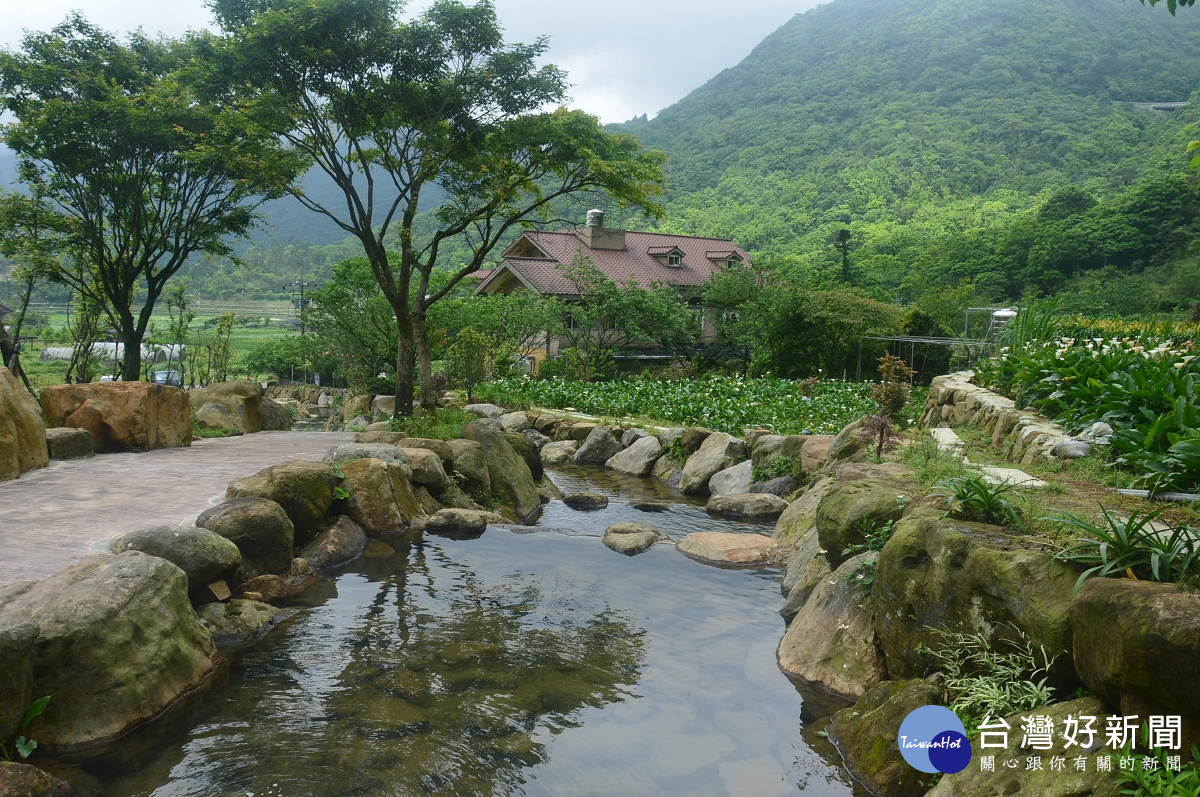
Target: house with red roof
535,262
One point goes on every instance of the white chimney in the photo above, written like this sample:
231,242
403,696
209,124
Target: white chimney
595,218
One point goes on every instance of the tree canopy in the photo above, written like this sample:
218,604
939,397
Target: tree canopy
442,112
142,167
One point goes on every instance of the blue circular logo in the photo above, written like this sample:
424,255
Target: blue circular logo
933,739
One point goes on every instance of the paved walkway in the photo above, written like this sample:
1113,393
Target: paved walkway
49,517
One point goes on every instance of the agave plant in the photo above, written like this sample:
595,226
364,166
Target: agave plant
975,498
1133,545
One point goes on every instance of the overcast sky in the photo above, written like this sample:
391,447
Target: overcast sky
625,57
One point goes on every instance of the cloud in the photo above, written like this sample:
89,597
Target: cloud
624,57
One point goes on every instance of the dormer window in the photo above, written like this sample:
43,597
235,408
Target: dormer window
675,260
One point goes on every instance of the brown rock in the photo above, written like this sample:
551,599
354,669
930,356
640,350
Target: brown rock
122,415
23,780
727,549
381,498
64,442
22,433
304,490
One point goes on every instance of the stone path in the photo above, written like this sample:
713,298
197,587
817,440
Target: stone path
951,443
50,517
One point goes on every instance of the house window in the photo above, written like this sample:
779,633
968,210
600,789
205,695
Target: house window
675,260
734,262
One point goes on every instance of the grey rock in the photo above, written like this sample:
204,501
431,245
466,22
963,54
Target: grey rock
639,458
559,452
68,443
515,421
203,555
782,487
352,451
1071,449
239,622
538,439
274,417
342,542
259,528
632,538
748,506
733,480
484,410
716,453
598,448
586,501
631,436
460,521
766,448
669,436
651,506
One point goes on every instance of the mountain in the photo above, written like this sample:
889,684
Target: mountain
912,116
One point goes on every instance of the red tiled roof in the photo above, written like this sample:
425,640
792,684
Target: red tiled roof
481,274
633,262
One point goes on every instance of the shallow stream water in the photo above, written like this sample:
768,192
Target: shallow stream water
533,663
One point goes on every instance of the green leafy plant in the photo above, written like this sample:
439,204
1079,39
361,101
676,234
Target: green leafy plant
981,681
874,538
340,493
445,424
21,746
975,498
1160,781
1133,545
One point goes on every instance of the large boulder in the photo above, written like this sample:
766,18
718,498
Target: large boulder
850,510
1137,645
766,449
216,417
801,515
243,401
25,780
427,469
304,490
936,574
865,734
733,480
1047,781
727,549
381,499
383,408
815,452
598,448
203,555
439,447
511,479
716,453
275,417
261,530
815,569
515,421
846,444
348,452
632,538
668,436
639,458
118,642
559,452
342,542
121,415
632,435
17,640
239,622
64,442
579,431
746,506
831,641
691,440
669,469
526,450
470,469
783,487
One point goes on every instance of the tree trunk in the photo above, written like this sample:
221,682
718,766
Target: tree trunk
404,364
131,339
424,363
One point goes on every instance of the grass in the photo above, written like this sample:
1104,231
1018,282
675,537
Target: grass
445,424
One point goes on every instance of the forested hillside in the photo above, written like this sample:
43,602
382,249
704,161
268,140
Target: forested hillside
933,129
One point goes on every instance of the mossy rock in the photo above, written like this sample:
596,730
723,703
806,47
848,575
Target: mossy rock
801,515
261,530
511,479
967,578
850,507
865,734
304,490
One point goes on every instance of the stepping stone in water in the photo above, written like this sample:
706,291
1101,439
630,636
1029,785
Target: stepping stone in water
727,549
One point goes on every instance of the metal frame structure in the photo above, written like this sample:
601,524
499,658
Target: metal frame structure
965,341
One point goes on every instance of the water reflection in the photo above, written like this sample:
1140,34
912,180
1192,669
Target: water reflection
535,664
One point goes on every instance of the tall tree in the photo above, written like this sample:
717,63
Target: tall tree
435,131
140,164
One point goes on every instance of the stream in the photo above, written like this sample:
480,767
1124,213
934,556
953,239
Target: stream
528,662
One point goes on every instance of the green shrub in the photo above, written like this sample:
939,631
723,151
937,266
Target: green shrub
1132,544
981,682
975,498
445,424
